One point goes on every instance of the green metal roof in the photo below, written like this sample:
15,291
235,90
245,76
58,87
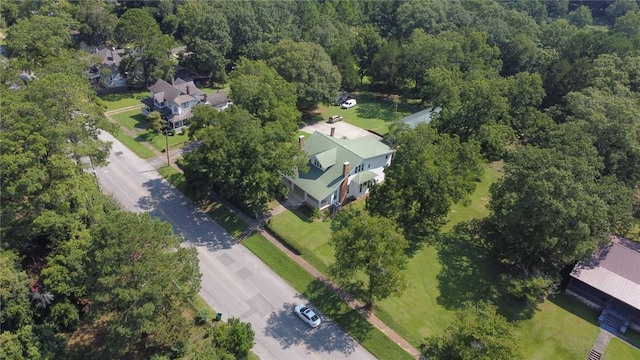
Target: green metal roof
327,158
321,184
365,176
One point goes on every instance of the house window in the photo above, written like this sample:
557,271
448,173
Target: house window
369,166
386,156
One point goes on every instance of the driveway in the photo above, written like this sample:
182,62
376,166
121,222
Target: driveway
343,129
234,282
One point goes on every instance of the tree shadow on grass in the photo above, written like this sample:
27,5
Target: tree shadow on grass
575,307
466,274
141,123
309,118
375,110
136,94
349,319
470,274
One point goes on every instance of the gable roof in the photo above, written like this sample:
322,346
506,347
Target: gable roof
327,158
334,153
614,270
423,116
217,98
163,91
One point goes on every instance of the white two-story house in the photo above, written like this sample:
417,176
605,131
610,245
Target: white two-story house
338,169
175,101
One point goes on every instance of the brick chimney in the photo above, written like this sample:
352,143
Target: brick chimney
344,186
301,141
188,90
205,98
333,131
173,83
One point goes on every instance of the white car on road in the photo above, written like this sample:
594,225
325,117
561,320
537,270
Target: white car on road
307,315
349,103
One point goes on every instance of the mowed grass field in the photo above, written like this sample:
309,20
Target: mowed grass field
124,99
135,121
441,278
371,113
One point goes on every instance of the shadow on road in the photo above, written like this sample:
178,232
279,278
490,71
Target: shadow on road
325,338
195,226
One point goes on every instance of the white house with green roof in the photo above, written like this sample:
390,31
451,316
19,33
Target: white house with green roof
338,169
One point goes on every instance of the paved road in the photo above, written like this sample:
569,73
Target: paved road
234,281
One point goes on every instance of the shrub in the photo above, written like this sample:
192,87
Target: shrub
203,316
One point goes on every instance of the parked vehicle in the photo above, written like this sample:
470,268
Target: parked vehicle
307,315
349,104
342,97
335,119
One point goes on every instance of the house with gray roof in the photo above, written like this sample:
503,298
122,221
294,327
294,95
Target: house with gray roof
609,281
338,169
174,101
109,58
421,117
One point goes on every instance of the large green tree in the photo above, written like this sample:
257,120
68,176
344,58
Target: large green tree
96,22
239,157
372,247
234,336
205,31
545,212
259,89
38,38
147,54
429,173
612,118
477,332
142,280
308,66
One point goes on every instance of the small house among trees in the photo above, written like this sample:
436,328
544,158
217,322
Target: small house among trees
338,169
609,281
174,101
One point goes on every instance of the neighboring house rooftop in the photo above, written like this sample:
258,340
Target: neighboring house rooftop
163,91
217,99
331,154
423,116
614,270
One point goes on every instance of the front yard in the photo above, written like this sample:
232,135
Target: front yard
440,279
133,120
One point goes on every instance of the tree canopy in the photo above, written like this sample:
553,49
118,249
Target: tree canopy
477,332
240,158
369,245
308,66
429,173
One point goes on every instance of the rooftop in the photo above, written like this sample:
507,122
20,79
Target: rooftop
614,270
332,153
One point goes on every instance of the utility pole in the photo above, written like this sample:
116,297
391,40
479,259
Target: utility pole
166,138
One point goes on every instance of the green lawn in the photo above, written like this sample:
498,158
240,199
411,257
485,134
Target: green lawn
310,239
123,99
371,113
134,120
173,176
562,329
619,350
134,145
326,300
417,313
229,221
441,279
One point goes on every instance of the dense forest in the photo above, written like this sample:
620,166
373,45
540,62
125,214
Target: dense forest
551,87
